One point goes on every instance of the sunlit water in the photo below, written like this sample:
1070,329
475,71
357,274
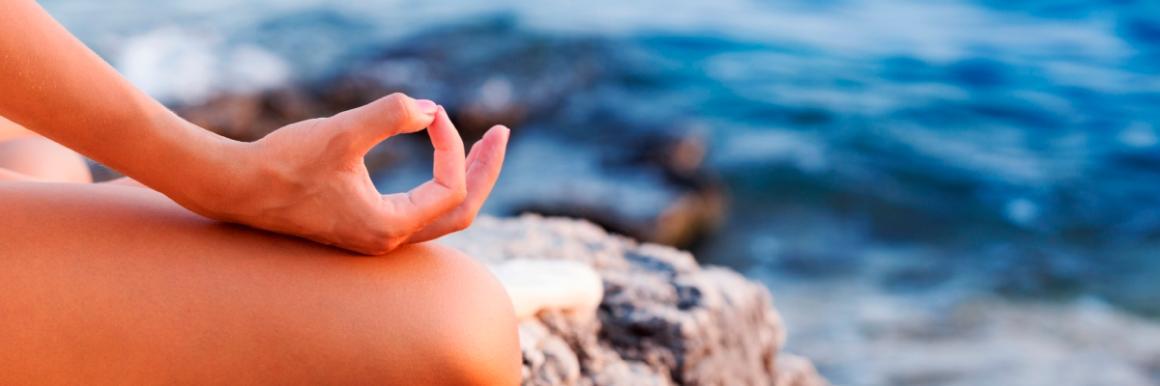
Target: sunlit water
937,192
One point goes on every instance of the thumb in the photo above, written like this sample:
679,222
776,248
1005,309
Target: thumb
374,122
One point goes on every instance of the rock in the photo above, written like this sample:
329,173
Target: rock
679,155
664,319
794,370
249,116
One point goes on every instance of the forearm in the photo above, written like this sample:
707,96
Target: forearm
306,179
52,84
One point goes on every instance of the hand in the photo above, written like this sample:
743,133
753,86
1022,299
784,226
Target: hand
308,179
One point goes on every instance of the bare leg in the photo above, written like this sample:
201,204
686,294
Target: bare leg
109,284
44,160
533,285
9,130
26,154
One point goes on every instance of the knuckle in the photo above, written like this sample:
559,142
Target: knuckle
374,250
470,214
396,95
392,244
459,219
459,193
342,140
464,222
382,245
383,232
363,246
385,238
400,105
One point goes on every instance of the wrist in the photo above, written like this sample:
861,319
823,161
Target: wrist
209,173
226,180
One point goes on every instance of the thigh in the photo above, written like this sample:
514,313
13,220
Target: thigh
118,284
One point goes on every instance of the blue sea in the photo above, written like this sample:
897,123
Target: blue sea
936,192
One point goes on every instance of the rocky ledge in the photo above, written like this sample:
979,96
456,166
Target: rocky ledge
664,319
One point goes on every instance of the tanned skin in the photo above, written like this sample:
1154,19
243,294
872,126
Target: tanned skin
307,179
109,284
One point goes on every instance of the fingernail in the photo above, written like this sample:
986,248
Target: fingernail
427,106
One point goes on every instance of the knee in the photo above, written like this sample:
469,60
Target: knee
466,330
43,159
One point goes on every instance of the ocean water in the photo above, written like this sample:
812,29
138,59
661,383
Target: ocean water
937,192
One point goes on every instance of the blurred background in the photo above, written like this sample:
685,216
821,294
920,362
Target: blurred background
937,192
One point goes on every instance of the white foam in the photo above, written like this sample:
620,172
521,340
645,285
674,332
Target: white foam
169,65
177,65
1021,211
1139,135
801,150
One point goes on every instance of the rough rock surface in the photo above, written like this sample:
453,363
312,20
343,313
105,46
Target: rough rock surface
664,319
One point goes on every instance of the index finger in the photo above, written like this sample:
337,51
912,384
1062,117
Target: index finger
447,187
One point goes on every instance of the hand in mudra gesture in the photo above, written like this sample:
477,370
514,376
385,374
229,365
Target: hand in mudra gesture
309,179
